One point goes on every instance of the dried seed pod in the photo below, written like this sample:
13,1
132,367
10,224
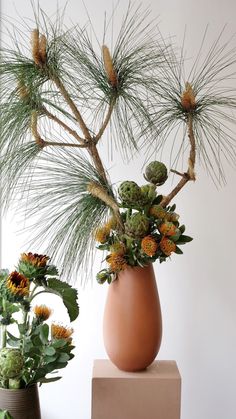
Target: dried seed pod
35,47
188,98
43,49
109,67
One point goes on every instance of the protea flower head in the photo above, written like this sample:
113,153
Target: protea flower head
61,332
17,284
42,312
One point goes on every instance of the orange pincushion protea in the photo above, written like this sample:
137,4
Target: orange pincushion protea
149,245
167,246
42,312
34,259
167,229
61,332
117,262
111,224
18,284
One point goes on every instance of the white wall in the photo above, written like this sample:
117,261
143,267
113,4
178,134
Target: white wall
197,290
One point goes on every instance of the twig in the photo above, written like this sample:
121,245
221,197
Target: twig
72,106
63,125
43,143
106,120
99,192
189,175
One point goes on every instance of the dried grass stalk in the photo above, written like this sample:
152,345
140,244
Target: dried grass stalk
35,47
34,129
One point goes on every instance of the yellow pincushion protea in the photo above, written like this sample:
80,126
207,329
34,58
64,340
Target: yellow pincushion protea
61,332
42,312
34,259
18,284
167,246
117,262
149,245
101,234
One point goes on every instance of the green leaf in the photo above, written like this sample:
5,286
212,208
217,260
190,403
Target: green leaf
50,359
157,200
63,357
59,343
184,239
172,208
4,414
48,380
68,294
44,332
178,251
50,351
182,228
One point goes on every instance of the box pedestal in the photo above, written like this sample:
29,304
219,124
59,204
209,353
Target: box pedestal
151,394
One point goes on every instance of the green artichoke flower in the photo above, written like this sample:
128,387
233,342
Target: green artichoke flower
11,363
148,194
129,192
137,226
156,172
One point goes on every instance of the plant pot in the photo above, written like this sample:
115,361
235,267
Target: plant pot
21,404
132,324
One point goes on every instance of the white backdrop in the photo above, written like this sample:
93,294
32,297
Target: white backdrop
197,290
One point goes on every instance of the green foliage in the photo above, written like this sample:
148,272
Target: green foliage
37,350
4,414
68,295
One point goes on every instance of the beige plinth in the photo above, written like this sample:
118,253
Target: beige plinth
151,394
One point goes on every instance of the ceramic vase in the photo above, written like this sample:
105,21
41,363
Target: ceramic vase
21,404
132,326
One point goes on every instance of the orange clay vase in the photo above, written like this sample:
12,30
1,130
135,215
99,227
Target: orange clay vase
132,324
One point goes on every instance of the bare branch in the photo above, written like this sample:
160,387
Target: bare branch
72,106
106,120
189,175
63,125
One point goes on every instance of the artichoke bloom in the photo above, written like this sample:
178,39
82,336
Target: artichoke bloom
18,284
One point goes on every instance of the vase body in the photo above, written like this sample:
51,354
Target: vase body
21,404
132,326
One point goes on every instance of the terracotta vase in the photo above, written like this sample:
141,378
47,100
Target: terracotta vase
21,404
132,324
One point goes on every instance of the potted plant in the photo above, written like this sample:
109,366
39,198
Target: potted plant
32,351
59,98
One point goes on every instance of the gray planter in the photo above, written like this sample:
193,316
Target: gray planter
21,404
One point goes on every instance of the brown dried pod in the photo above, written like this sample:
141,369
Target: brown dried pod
109,67
188,98
35,47
43,48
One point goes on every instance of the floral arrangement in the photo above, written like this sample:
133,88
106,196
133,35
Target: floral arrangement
61,93
35,351
151,231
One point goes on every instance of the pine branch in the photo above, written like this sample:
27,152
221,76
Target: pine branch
63,125
189,175
106,120
73,107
